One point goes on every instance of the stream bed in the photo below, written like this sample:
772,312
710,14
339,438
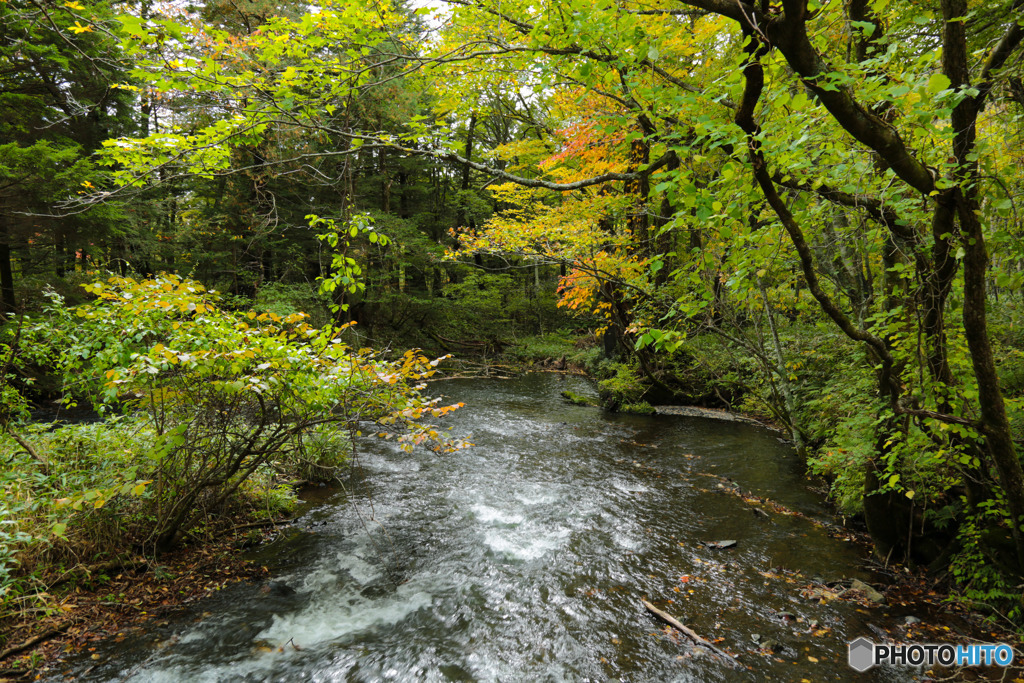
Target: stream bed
526,558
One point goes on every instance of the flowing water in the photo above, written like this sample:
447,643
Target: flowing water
526,557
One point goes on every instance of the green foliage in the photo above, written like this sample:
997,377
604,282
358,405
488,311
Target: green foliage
222,396
641,408
818,269
708,369
844,460
589,358
623,388
285,299
265,493
556,345
345,272
57,103
479,303
89,499
980,571
323,453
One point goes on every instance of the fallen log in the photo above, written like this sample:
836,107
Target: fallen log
114,565
691,634
35,640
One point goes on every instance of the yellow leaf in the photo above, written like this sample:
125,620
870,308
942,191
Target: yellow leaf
78,28
73,5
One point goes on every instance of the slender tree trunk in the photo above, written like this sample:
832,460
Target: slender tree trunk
465,215
780,369
6,269
995,425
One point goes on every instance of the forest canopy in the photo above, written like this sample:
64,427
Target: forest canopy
807,210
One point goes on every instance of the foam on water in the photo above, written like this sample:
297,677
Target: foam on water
538,496
326,621
524,545
629,487
380,463
488,514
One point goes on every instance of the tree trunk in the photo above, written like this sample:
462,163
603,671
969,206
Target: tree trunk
994,423
6,270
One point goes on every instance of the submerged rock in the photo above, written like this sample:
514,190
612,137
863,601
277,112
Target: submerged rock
869,592
277,589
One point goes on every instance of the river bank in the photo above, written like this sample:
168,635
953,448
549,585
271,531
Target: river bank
107,600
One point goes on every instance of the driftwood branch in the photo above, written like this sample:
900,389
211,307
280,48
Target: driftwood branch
28,449
462,343
692,635
261,524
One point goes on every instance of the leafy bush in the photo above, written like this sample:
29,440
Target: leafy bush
86,500
222,396
284,300
624,387
588,358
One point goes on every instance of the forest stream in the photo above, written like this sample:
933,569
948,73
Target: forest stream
527,557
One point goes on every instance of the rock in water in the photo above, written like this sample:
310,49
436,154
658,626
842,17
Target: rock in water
720,545
278,589
868,591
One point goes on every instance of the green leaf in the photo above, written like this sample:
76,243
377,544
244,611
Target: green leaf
938,83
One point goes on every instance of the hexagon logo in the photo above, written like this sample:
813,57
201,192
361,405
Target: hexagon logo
862,655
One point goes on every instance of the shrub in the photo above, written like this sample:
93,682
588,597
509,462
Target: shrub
623,387
227,393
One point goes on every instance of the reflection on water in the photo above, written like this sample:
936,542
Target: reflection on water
526,558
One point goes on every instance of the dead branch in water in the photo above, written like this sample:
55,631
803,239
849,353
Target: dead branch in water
691,634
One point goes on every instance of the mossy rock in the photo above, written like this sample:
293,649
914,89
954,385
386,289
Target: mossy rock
642,408
580,400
